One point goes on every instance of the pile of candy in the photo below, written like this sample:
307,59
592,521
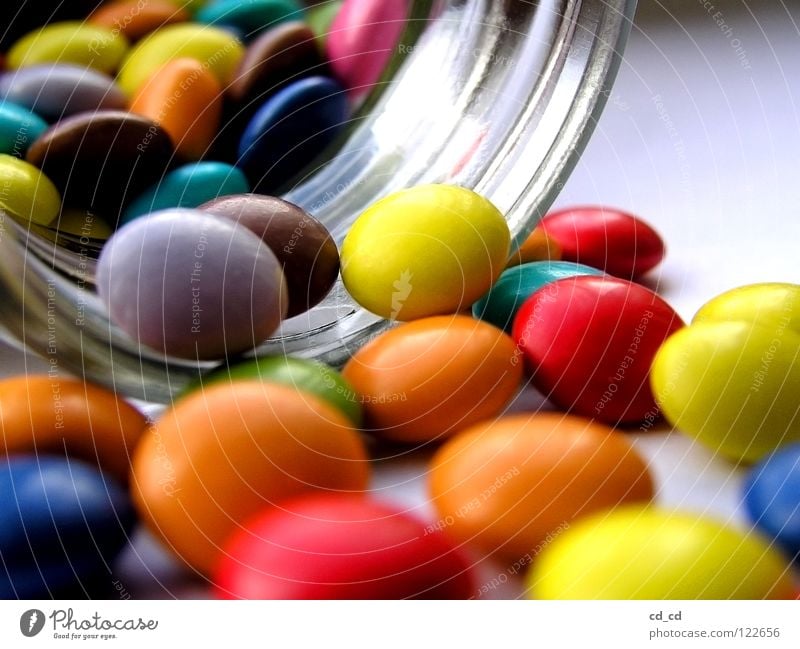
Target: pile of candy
258,476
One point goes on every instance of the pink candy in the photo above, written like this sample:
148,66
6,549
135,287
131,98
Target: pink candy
362,39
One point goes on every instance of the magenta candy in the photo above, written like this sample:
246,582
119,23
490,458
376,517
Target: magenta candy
362,39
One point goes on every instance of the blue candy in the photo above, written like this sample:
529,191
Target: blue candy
517,284
290,130
772,497
249,16
189,186
19,128
61,524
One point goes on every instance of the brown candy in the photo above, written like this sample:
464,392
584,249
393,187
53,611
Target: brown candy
102,160
137,18
303,246
285,52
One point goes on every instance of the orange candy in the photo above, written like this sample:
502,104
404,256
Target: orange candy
137,18
432,377
537,247
512,485
222,454
44,414
184,97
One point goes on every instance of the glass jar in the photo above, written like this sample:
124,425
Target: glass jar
496,95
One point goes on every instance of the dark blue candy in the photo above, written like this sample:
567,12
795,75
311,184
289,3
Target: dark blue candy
772,497
290,130
62,523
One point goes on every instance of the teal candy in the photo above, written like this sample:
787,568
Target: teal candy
19,128
517,284
249,16
189,186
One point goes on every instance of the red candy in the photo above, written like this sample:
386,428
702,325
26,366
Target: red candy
612,240
331,546
590,341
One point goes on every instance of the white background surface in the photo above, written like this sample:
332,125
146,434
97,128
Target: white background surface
703,145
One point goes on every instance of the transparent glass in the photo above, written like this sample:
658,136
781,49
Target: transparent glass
498,96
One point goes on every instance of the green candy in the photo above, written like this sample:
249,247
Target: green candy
320,18
189,186
517,284
19,128
308,376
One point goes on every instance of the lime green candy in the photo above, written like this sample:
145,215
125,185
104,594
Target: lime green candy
308,376
424,251
638,552
771,304
26,193
216,48
73,42
731,379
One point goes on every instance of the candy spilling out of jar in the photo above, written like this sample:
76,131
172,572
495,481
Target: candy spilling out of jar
257,476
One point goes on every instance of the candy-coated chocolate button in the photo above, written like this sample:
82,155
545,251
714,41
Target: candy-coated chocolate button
29,195
646,553
86,154
772,498
218,49
614,241
188,186
333,546
194,486
362,39
731,385
56,91
589,342
303,246
282,53
500,305
773,305
192,285
137,18
251,16
537,247
433,377
511,485
56,415
62,524
290,130
307,376
70,42
424,251
185,99
19,127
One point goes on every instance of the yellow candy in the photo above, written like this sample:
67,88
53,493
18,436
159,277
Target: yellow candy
731,379
70,42
773,304
639,552
26,193
216,49
424,251
80,223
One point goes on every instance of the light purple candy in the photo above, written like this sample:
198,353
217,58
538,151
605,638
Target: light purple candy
59,90
191,285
